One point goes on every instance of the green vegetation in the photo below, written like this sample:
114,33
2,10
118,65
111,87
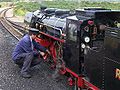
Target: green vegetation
61,4
107,5
23,7
5,4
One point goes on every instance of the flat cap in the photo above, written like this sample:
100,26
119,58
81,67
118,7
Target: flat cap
34,31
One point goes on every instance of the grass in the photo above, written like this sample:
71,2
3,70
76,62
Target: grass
23,7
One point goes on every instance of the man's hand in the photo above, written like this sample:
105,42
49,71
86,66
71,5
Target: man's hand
41,53
48,51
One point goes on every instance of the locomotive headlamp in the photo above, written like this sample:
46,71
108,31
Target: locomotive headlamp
36,25
87,39
40,26
82,45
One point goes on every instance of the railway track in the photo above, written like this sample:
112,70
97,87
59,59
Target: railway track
14,29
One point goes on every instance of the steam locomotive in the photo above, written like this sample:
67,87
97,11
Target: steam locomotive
84,45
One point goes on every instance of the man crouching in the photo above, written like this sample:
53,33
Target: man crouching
27,51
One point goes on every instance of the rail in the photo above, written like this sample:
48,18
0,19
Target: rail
14,29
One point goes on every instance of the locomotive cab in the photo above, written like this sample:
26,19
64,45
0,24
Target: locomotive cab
89,40
82,34
76,41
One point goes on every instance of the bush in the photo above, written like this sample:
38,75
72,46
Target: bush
23,7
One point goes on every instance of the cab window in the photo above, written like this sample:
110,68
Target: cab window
72,32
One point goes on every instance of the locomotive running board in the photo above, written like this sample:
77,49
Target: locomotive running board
82,82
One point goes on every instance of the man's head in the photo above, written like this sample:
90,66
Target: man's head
33,32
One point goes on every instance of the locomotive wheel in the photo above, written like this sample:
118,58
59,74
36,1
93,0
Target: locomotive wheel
32,24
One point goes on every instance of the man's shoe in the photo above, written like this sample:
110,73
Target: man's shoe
25,75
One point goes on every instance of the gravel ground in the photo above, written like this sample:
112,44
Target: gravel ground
9,72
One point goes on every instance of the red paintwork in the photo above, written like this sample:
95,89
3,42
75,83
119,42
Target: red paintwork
70,81
53,53
50,45
81,82
90,86
54,38
43,42
91,22
63,70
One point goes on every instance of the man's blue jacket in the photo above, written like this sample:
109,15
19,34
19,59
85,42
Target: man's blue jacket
24,46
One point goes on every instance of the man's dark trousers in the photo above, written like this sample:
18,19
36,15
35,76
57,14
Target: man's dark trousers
27,60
